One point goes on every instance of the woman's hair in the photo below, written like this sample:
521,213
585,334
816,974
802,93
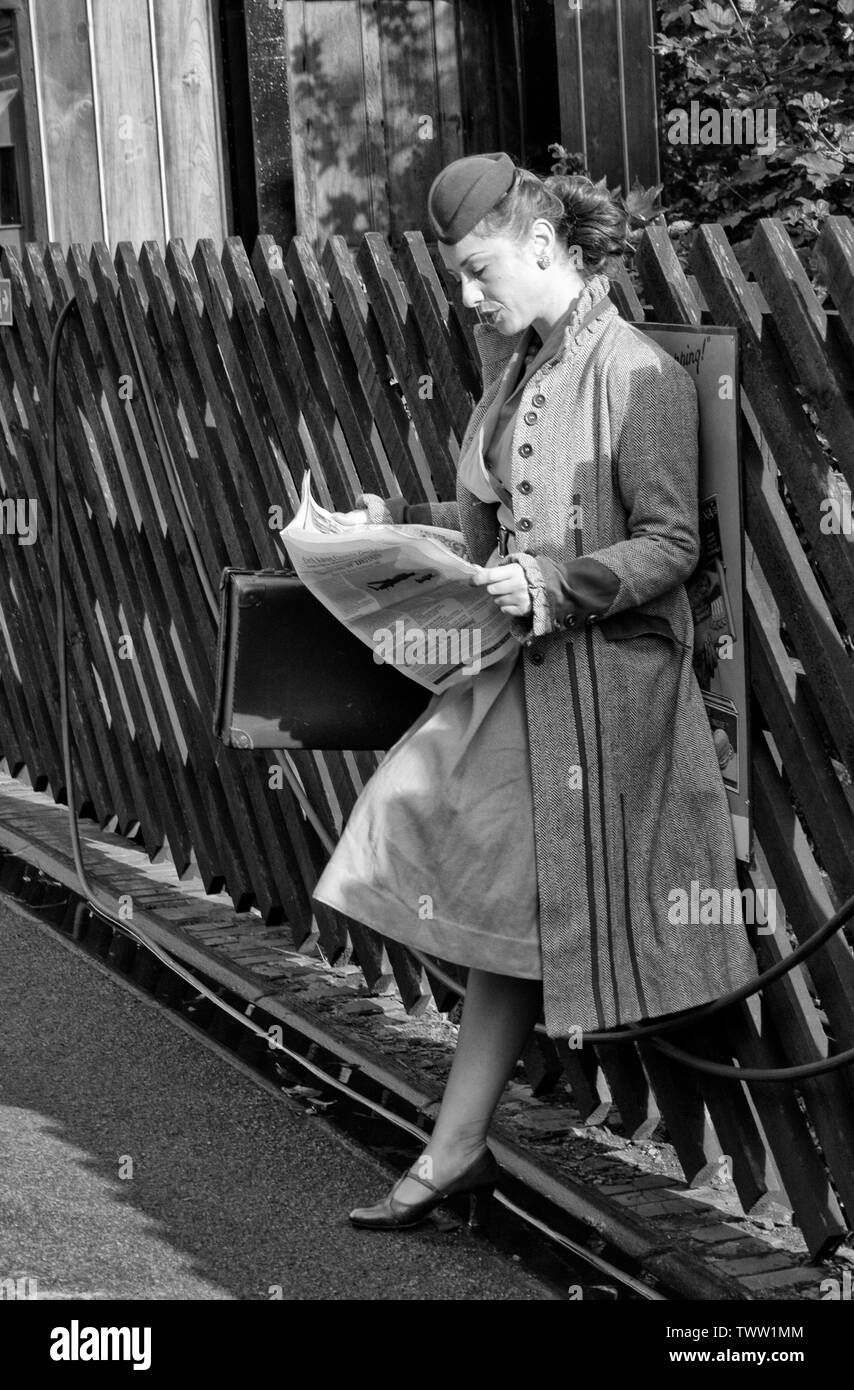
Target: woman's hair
583,214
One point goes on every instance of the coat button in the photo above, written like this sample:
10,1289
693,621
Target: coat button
569,620
530,417
539,399
526,450
524,524
537,658
525,486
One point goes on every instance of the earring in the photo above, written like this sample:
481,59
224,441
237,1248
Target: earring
544,262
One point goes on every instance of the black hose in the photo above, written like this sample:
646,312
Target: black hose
700,1014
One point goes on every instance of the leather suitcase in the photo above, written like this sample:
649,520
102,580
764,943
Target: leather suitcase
290,675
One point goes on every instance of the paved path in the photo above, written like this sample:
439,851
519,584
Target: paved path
228,1191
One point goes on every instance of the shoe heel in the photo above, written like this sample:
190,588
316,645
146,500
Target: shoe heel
480,1204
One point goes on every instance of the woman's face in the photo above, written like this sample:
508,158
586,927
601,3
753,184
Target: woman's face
500,277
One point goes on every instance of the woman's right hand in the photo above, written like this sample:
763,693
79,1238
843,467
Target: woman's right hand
359,517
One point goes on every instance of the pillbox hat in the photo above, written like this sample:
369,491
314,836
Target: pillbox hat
464,191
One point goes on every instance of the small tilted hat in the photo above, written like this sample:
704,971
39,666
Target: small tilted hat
465,191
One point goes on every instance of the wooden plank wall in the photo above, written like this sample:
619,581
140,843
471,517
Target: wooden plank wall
607,87
263,368
375,111
129,120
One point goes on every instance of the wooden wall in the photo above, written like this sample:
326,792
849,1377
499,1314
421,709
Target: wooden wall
383,93
375,103
607,87
128,117
353,106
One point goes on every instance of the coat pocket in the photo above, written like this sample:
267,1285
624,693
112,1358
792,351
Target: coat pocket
631,623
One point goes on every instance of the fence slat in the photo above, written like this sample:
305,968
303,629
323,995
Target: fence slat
390,303
115,584
92,579
804,893
629,1089
252,393
814,1205
28,466
590,1089
730,1113
689,1129
215,511
152,564
781,695
664,280
788,1012
803,331
834,250
781,417
333,359
371,360
450,362
333,475
799,598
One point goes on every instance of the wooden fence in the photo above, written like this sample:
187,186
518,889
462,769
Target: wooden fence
261,370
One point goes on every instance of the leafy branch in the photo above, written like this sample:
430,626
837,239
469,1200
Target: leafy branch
788,59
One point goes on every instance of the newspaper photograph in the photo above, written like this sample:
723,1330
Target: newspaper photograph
402,589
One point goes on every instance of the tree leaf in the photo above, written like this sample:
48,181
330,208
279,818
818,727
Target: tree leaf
641,203
830,165
709,21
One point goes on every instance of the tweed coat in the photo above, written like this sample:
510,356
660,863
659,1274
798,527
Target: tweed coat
629,803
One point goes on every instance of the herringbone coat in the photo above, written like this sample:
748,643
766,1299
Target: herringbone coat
629,803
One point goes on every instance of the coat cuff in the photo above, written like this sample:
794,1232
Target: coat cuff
537,622
583,590
382,510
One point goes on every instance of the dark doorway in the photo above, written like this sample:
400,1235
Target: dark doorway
238,121
16,221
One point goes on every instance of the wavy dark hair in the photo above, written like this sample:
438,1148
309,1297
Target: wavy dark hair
583,214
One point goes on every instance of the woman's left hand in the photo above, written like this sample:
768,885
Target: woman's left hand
508,586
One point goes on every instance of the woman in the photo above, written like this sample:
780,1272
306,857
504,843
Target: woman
536,820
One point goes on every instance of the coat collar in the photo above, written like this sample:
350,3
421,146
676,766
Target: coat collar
592,304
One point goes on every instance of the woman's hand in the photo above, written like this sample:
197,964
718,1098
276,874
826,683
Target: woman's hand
508,587
359,517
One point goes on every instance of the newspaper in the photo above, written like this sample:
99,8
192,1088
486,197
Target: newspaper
404,590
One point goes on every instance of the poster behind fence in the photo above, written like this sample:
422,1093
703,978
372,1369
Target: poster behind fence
716,589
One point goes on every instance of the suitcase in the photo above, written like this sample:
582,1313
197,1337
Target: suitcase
290,675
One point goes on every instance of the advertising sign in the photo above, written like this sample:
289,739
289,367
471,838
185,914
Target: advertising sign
716,589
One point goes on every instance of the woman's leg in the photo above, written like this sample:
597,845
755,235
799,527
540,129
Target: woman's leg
499,1012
